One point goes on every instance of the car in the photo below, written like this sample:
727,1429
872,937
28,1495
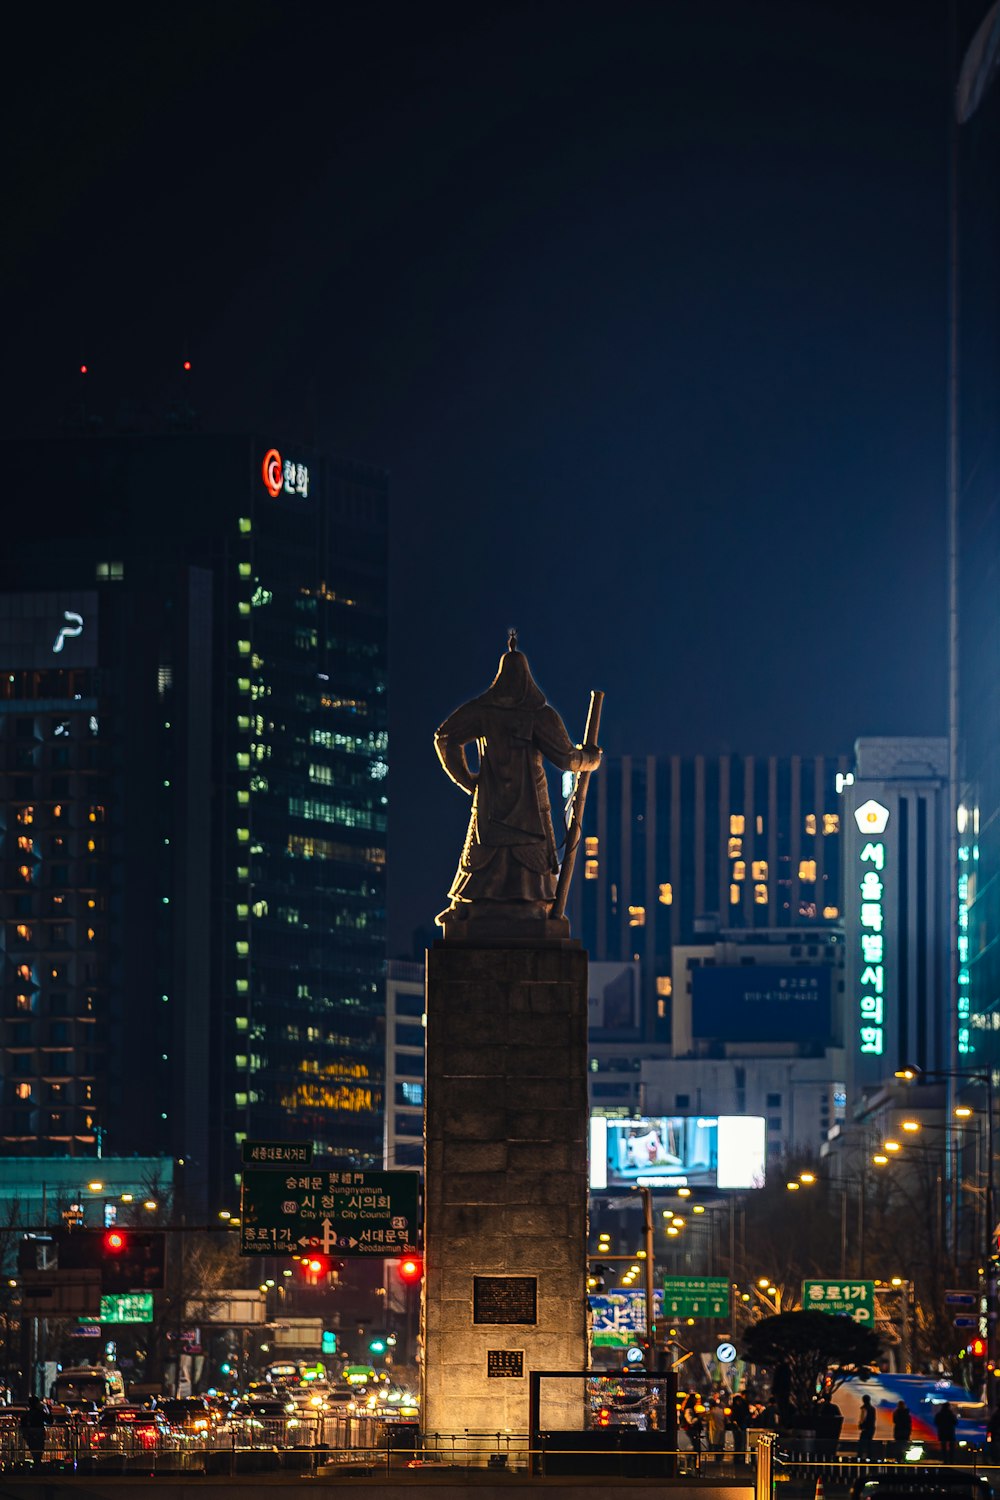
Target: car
119,1427
189,1416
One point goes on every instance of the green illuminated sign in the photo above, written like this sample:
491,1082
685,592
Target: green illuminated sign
337,1212
124,1307
696,1297
852,1299
872,818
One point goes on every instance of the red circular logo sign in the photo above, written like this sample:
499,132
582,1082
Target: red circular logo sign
273,473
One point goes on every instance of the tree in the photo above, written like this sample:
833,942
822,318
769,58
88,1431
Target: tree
819,1351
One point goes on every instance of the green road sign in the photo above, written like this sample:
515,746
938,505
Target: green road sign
340,1213
855,1299
124,1307
276,1153
695,1297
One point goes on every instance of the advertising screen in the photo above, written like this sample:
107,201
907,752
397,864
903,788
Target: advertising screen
672,1151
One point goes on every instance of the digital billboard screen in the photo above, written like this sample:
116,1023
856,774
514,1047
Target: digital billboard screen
672,1151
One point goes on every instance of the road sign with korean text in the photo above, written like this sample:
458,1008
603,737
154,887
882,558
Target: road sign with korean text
853,1299
696,1297
338,1212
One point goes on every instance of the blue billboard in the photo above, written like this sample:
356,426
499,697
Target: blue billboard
761,1003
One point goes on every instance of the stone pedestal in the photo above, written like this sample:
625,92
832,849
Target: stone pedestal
505,1221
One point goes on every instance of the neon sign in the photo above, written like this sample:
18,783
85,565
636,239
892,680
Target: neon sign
72,627
282,474
872,818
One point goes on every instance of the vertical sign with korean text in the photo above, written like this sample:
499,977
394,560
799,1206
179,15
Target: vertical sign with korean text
872,819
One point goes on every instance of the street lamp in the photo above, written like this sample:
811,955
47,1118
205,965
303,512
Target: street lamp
910,1073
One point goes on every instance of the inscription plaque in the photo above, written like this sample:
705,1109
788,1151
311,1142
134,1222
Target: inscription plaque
505,1364
505,1299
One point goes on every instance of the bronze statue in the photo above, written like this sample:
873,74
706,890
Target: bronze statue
509,867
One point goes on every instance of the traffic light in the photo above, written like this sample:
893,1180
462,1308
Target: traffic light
378,1344
316,1268
129,1260
977,1354
411,1270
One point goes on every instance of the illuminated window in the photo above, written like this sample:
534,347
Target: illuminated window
242,985
243,721
759,870
24,972
760,823
23,1090
734,895
661,1009
25,844
807,869
24,932
590,847
244,525
242,1023
735,848
760,895
831,912
666,896
242,948
242,911
240,1100
26,873
243,684
109,570
810,822
260,909
26,815
22,1002
242,798
244,570
664,984
242,872
91,846
637,916
740,870
831,823
590,869
243,607
96,813
57,811
243,835
737,823
241,1061
243,647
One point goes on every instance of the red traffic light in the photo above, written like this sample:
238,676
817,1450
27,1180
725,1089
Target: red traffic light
411,1270
977,1348
115,1242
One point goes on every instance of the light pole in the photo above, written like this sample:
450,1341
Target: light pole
910,1074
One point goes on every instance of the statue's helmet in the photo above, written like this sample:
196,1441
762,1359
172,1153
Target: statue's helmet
513,686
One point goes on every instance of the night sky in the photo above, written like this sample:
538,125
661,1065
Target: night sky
642,307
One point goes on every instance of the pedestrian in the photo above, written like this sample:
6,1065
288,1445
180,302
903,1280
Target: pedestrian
866,1430
691,1417
33,1422
902,1427
946,1423
739,1417
716,1428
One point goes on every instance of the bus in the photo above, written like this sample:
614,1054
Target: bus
88,1385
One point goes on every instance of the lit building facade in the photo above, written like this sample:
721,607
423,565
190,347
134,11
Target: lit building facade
896,896
676,846
193,802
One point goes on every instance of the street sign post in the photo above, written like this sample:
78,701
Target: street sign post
341,1213
852,1299
963,1320
695,1297
276,1153
961,1299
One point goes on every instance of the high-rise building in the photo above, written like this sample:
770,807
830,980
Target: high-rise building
676,847
193,801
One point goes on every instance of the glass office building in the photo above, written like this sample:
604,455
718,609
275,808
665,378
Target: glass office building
193,653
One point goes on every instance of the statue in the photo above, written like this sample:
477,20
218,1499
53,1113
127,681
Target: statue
509,871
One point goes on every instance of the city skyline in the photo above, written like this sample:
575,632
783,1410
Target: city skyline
654,304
